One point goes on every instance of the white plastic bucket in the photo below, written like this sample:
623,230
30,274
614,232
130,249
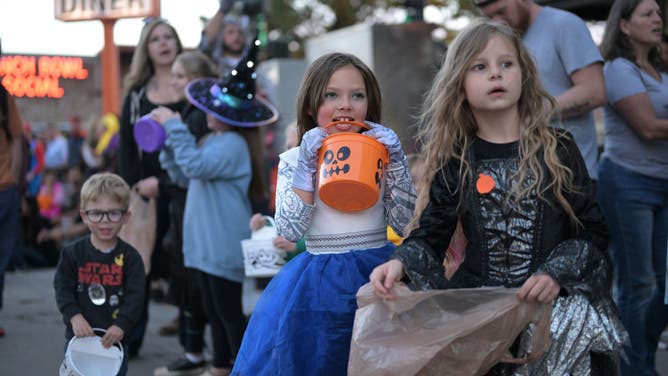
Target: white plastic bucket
85,356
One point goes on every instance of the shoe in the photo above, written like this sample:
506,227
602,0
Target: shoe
2,331
170,329
181,367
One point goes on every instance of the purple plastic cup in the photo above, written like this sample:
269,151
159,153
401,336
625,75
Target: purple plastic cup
149,134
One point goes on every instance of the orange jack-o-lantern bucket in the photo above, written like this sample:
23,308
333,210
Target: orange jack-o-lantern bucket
350,169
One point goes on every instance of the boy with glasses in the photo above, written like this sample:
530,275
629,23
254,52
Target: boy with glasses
100,279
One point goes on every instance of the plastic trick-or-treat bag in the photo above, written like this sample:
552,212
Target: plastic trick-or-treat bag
444,332
261,257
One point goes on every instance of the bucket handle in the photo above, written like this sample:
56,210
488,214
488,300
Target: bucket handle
269,221
99,332
357,123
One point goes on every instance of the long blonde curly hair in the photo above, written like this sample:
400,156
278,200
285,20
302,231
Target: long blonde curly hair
447,127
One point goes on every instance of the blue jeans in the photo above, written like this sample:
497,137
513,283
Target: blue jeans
636,209
9,230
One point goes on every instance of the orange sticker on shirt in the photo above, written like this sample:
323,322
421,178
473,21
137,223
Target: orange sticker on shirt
485,184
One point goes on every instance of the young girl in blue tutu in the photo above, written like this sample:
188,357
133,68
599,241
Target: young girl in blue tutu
302,324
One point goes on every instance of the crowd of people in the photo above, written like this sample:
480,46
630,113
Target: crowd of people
508,188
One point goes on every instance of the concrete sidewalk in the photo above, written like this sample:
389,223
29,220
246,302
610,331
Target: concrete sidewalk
35,339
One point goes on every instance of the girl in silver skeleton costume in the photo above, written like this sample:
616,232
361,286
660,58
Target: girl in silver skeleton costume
525,201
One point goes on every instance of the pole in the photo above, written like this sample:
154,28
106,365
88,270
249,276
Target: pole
110,70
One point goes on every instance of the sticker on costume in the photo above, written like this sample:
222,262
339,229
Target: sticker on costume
97,294
484,184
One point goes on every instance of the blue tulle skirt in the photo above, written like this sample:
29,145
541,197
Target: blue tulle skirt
302,324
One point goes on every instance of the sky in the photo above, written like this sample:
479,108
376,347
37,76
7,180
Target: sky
30,27
49,36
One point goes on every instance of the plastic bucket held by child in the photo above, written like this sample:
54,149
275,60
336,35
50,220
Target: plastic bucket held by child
350,169
149,134
85,356
261,258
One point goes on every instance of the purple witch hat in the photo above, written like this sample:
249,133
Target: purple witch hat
233,100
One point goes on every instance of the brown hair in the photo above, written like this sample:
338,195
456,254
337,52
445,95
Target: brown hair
313,86
615,44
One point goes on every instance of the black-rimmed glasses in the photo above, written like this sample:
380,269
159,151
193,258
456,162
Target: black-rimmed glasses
114,215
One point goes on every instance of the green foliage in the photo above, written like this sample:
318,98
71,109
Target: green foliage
296,20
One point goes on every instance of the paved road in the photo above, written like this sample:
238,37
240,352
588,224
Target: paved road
34,341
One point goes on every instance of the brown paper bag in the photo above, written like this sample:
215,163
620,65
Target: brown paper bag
443,332
139,231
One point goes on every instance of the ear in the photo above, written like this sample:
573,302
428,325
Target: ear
82,214
624,27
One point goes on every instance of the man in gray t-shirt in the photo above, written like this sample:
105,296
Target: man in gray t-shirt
568,61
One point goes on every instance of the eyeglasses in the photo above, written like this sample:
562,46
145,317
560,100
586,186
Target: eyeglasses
96,216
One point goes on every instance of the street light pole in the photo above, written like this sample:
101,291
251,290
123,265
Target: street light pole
110,70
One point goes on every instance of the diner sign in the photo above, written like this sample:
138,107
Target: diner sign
82,10
39,76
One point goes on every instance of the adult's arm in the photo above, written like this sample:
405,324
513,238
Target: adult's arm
628,95
586,94
211,31
639,114
581,60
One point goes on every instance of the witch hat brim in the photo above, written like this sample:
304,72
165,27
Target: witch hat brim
207,95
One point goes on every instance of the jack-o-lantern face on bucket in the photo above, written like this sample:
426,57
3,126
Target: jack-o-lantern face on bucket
334,164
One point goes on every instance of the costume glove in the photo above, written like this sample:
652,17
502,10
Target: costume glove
307,165
387,137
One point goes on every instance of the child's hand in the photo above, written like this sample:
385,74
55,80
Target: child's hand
307,166
256,222
383,277
284,244
387,137
162,114
80,326
113,335
539,288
